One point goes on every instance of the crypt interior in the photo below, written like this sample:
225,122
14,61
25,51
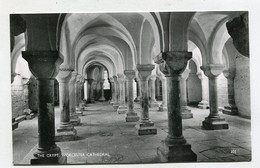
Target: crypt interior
102,88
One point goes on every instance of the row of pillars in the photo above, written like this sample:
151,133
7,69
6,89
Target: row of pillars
174,147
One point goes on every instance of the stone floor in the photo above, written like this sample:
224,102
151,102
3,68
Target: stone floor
105,137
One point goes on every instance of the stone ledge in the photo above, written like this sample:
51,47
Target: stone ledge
146,128
132,118
20,118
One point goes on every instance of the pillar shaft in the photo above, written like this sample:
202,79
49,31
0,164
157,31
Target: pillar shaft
153,102
213,94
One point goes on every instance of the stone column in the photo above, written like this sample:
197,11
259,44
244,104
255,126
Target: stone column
153,102
42,66
74,119
145,126
131,115
174,148
112,88
116,103
204,104
185,112
213,121
122,107
102,98
163,106
90,91
77,88
139,94
231,108
65,130
94,89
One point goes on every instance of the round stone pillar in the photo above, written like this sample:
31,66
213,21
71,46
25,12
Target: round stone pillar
116,84
112,88
74,119
122,107
42,66
102,98
153,102
231,108
163,106
174,148
131,116
90,91
204,104
145,126
213,121
139,93
65,130
185,112
77,91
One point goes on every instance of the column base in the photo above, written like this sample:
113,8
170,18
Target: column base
214,123
79,111
102,99
137,99
66,133
162,108
230,110
115,106
74,120
186,114
121,110
176,153
147,128
203,105
153,105
132,117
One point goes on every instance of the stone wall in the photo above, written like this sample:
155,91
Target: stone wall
242,86
18,100
222,91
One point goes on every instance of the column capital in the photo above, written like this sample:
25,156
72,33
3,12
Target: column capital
144,70
212,70
229,74
185,74
173,63
90,81
42,63
121,78
65,72
153,77
130,74
111,79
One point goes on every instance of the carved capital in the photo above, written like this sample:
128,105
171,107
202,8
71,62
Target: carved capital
238,30
145,71
111,80
121,78
212,70
64,74
185,74
153,77
130,74
173,63
42,64
90,81
229,74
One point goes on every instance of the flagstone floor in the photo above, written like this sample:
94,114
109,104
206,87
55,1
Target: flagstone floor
104,137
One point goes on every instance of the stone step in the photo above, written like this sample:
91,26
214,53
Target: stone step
20,118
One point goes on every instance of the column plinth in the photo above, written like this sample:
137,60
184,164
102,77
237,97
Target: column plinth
131,115
65,130
145,126
122,107
174,148
185,112
213,121
42,66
